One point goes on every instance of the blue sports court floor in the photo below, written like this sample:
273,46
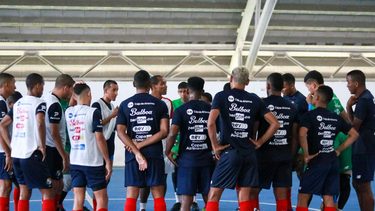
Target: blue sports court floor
117,195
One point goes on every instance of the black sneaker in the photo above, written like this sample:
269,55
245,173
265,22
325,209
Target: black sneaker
195,206
85,208
176,207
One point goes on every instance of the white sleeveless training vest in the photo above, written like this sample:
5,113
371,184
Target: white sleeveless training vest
51,99
106,112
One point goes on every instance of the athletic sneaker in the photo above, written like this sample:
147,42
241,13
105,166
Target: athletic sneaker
238,209
195,206
176,207
85,208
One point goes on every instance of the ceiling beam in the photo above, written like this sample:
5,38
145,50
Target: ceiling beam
242,33
259,33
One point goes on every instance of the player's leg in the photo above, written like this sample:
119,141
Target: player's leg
281,196
102,199
158,194
143,196
364,194
344,190
134,179
186,202
213,199
329,205
302,201
282,180
5,184
79,198
131,198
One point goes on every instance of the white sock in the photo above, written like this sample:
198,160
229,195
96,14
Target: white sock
195,199
142,206
178,197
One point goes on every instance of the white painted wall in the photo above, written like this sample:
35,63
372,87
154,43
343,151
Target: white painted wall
126,90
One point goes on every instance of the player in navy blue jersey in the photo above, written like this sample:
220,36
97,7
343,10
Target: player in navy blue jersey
7,88
293,95
363,120
195,163
237,163
317,133
142,122
275,156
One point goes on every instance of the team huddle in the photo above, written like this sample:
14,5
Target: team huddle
62,140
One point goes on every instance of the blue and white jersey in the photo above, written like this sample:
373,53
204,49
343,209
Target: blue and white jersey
4,109
82,122
25,136
54,115
238,112
141,114
323,126
277,148
195,146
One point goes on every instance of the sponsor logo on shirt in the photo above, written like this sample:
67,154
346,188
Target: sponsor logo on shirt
76,138
189,111
77,130
280,115
3,113
240,117
319,118
20,135
78,147
323,126
141,119
280,133
144,128
22,111
55,113
70,115
326,142
20,125
230,98
130,104
194,120
234,107
237,134
271,107
198,128
74,122
238,125
135,112
201,137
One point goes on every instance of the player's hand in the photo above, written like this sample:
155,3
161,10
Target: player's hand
139,145
309,98
141,161
337,153
171,158
8,164
128,148
309,157
352,101
43,151
257,144
78,82
115,111
218,150
108,171
66,163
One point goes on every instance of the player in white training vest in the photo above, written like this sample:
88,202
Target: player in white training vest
56,156
88,150
29,144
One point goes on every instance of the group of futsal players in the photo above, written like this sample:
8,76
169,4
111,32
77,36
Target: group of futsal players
240,141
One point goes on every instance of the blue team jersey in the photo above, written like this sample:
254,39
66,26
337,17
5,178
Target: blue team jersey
141,114
277,148
365,111
299,100
238,112
195,145
323,126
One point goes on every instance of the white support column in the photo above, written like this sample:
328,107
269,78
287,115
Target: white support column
259,33
242,33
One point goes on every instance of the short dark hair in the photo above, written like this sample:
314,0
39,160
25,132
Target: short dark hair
314,76
195,83
80,88
142,79
357,76
289,78
276,81
108,83
64,80
325,93
226,86
14,97
182,85
5,77
208,96
154,79
33,79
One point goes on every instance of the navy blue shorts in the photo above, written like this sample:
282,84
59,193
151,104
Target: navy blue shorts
277,173
111,146
193,180
363,167
55,163
234,167
321,180
152,176
92,177
32,171
5,175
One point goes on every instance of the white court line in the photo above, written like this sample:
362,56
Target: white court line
89,199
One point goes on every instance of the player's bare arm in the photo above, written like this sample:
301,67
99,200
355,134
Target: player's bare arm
211,127
303,143
5,141
349,108
274,126
170,142
163,132
41,125
113,115
55,133
352,136
102,145
128,142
